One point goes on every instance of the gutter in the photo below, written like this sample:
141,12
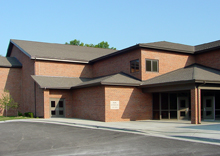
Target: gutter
59,60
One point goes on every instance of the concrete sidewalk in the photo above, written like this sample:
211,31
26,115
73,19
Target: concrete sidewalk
207,132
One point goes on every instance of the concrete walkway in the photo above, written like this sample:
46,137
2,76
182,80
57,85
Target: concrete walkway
207,132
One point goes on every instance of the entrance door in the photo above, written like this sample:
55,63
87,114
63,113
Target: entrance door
183,108
209,107
57,108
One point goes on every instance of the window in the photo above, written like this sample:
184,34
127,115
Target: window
134,66
151,65
52,103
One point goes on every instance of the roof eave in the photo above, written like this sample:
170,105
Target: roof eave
206,50
55,87
207,81
167,83
2,66
165,49
120,84
58,60
86,85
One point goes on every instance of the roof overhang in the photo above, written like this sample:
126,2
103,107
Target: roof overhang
164,49
11,44
179,86
58,60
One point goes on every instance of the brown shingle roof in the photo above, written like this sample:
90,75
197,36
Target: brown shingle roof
10,62
54,51
193,72
163,45
121,79
71,53
51,82
207,46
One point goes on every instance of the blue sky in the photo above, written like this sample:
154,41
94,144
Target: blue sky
122,23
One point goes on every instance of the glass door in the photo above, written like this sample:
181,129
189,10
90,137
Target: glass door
209,107
57,108
183,108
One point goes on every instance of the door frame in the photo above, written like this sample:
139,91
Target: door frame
183,109
208,109
57,108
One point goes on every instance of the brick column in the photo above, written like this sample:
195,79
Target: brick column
195,106
46,104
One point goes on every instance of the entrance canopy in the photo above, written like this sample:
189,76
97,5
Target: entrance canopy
183,79
186,93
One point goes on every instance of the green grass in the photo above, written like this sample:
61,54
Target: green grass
3,118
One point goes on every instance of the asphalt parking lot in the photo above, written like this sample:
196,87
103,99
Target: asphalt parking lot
27,138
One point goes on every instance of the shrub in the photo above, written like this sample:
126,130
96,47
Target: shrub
7,102
19,114
29,114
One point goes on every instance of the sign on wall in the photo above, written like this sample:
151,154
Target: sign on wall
114,104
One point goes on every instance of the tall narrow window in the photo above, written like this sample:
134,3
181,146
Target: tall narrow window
152,65
134,65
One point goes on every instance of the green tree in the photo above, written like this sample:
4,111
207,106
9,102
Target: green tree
7,102
102,44
75,42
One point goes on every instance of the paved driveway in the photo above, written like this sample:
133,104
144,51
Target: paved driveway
207,132
34,138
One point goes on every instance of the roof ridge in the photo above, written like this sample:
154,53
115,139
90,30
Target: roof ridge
168,42
60,44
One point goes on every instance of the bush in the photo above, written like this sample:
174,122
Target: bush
19,114
29,114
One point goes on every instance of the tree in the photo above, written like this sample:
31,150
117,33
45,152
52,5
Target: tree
7,102
99,45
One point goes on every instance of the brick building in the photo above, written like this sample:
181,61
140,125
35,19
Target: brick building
159,80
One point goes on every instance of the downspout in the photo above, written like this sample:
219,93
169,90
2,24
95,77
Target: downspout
35,99
199,105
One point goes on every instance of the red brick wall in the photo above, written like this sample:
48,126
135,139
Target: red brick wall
133,104
89,103
10,79
65,94
167,62
50,68
117,64
210,59
195,112
94,103
39,101
27,86
46,104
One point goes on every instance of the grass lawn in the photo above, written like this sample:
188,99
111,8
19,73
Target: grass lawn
3,118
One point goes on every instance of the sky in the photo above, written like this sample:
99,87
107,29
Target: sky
121,23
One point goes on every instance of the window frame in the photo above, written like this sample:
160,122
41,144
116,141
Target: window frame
135,66
152,60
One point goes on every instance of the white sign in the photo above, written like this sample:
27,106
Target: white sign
114,104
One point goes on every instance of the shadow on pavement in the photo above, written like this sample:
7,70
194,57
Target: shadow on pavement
199,139
214,127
